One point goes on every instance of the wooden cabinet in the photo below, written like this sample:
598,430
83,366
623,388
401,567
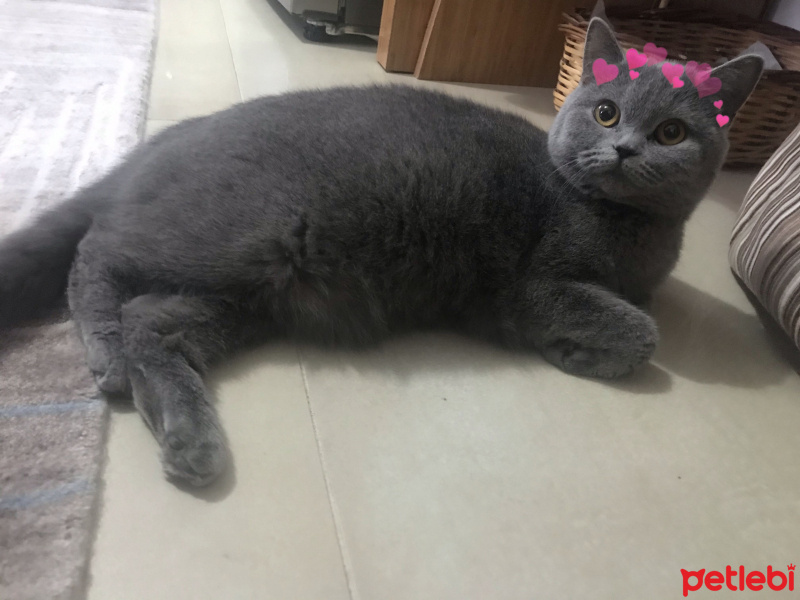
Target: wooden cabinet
403,26
506,42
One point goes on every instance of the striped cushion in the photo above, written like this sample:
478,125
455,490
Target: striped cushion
765,245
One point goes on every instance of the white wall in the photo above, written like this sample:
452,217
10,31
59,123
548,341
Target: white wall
786,12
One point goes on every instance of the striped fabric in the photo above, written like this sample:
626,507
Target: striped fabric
73,85
765,245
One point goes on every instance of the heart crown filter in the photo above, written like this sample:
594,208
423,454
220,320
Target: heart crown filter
699,74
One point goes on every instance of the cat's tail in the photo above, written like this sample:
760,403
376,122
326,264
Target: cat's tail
35,260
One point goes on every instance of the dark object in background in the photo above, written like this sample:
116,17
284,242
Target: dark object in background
327,18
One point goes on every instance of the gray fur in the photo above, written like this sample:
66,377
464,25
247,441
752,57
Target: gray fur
346,214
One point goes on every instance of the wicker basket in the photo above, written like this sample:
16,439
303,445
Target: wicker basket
772,111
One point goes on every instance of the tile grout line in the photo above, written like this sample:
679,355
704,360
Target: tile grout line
336,525
230,49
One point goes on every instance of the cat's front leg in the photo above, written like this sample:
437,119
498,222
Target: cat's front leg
584,329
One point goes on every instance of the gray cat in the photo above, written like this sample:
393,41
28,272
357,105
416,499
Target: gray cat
346,214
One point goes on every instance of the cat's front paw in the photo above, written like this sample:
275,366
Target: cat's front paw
597,362
609,353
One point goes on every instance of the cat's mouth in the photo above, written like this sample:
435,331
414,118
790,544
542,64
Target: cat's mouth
618,173
616,181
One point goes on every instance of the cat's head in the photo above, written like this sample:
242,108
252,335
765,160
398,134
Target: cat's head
638,139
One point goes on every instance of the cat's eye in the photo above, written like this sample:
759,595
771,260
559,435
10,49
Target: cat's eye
607,113
671,132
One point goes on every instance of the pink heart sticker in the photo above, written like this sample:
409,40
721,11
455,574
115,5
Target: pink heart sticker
635,58
697,74
710,86
722,120
671,72
634,74
604,72
655,54
718,104
677,82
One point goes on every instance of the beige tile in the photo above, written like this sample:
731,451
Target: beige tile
193,72
265,532
152,127
459,471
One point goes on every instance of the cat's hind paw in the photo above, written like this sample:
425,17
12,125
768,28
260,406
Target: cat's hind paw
194,453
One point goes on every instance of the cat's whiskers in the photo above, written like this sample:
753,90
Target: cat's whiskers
561,170
651,173
576,181
640,176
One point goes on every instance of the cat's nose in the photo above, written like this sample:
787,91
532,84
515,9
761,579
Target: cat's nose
624,152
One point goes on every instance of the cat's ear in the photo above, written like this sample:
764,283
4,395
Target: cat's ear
600,43
599,11
739,77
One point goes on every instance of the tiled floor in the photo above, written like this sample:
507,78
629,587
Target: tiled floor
439,468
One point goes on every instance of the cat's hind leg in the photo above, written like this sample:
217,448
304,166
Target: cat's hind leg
95,298
169,341
582,328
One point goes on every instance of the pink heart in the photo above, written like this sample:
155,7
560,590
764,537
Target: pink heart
604,72
718,104
677,82
635,59
671,72
710,86
697,73
655,54
634,74
723,120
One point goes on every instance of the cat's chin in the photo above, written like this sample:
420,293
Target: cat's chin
608,185
618,193
620,182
